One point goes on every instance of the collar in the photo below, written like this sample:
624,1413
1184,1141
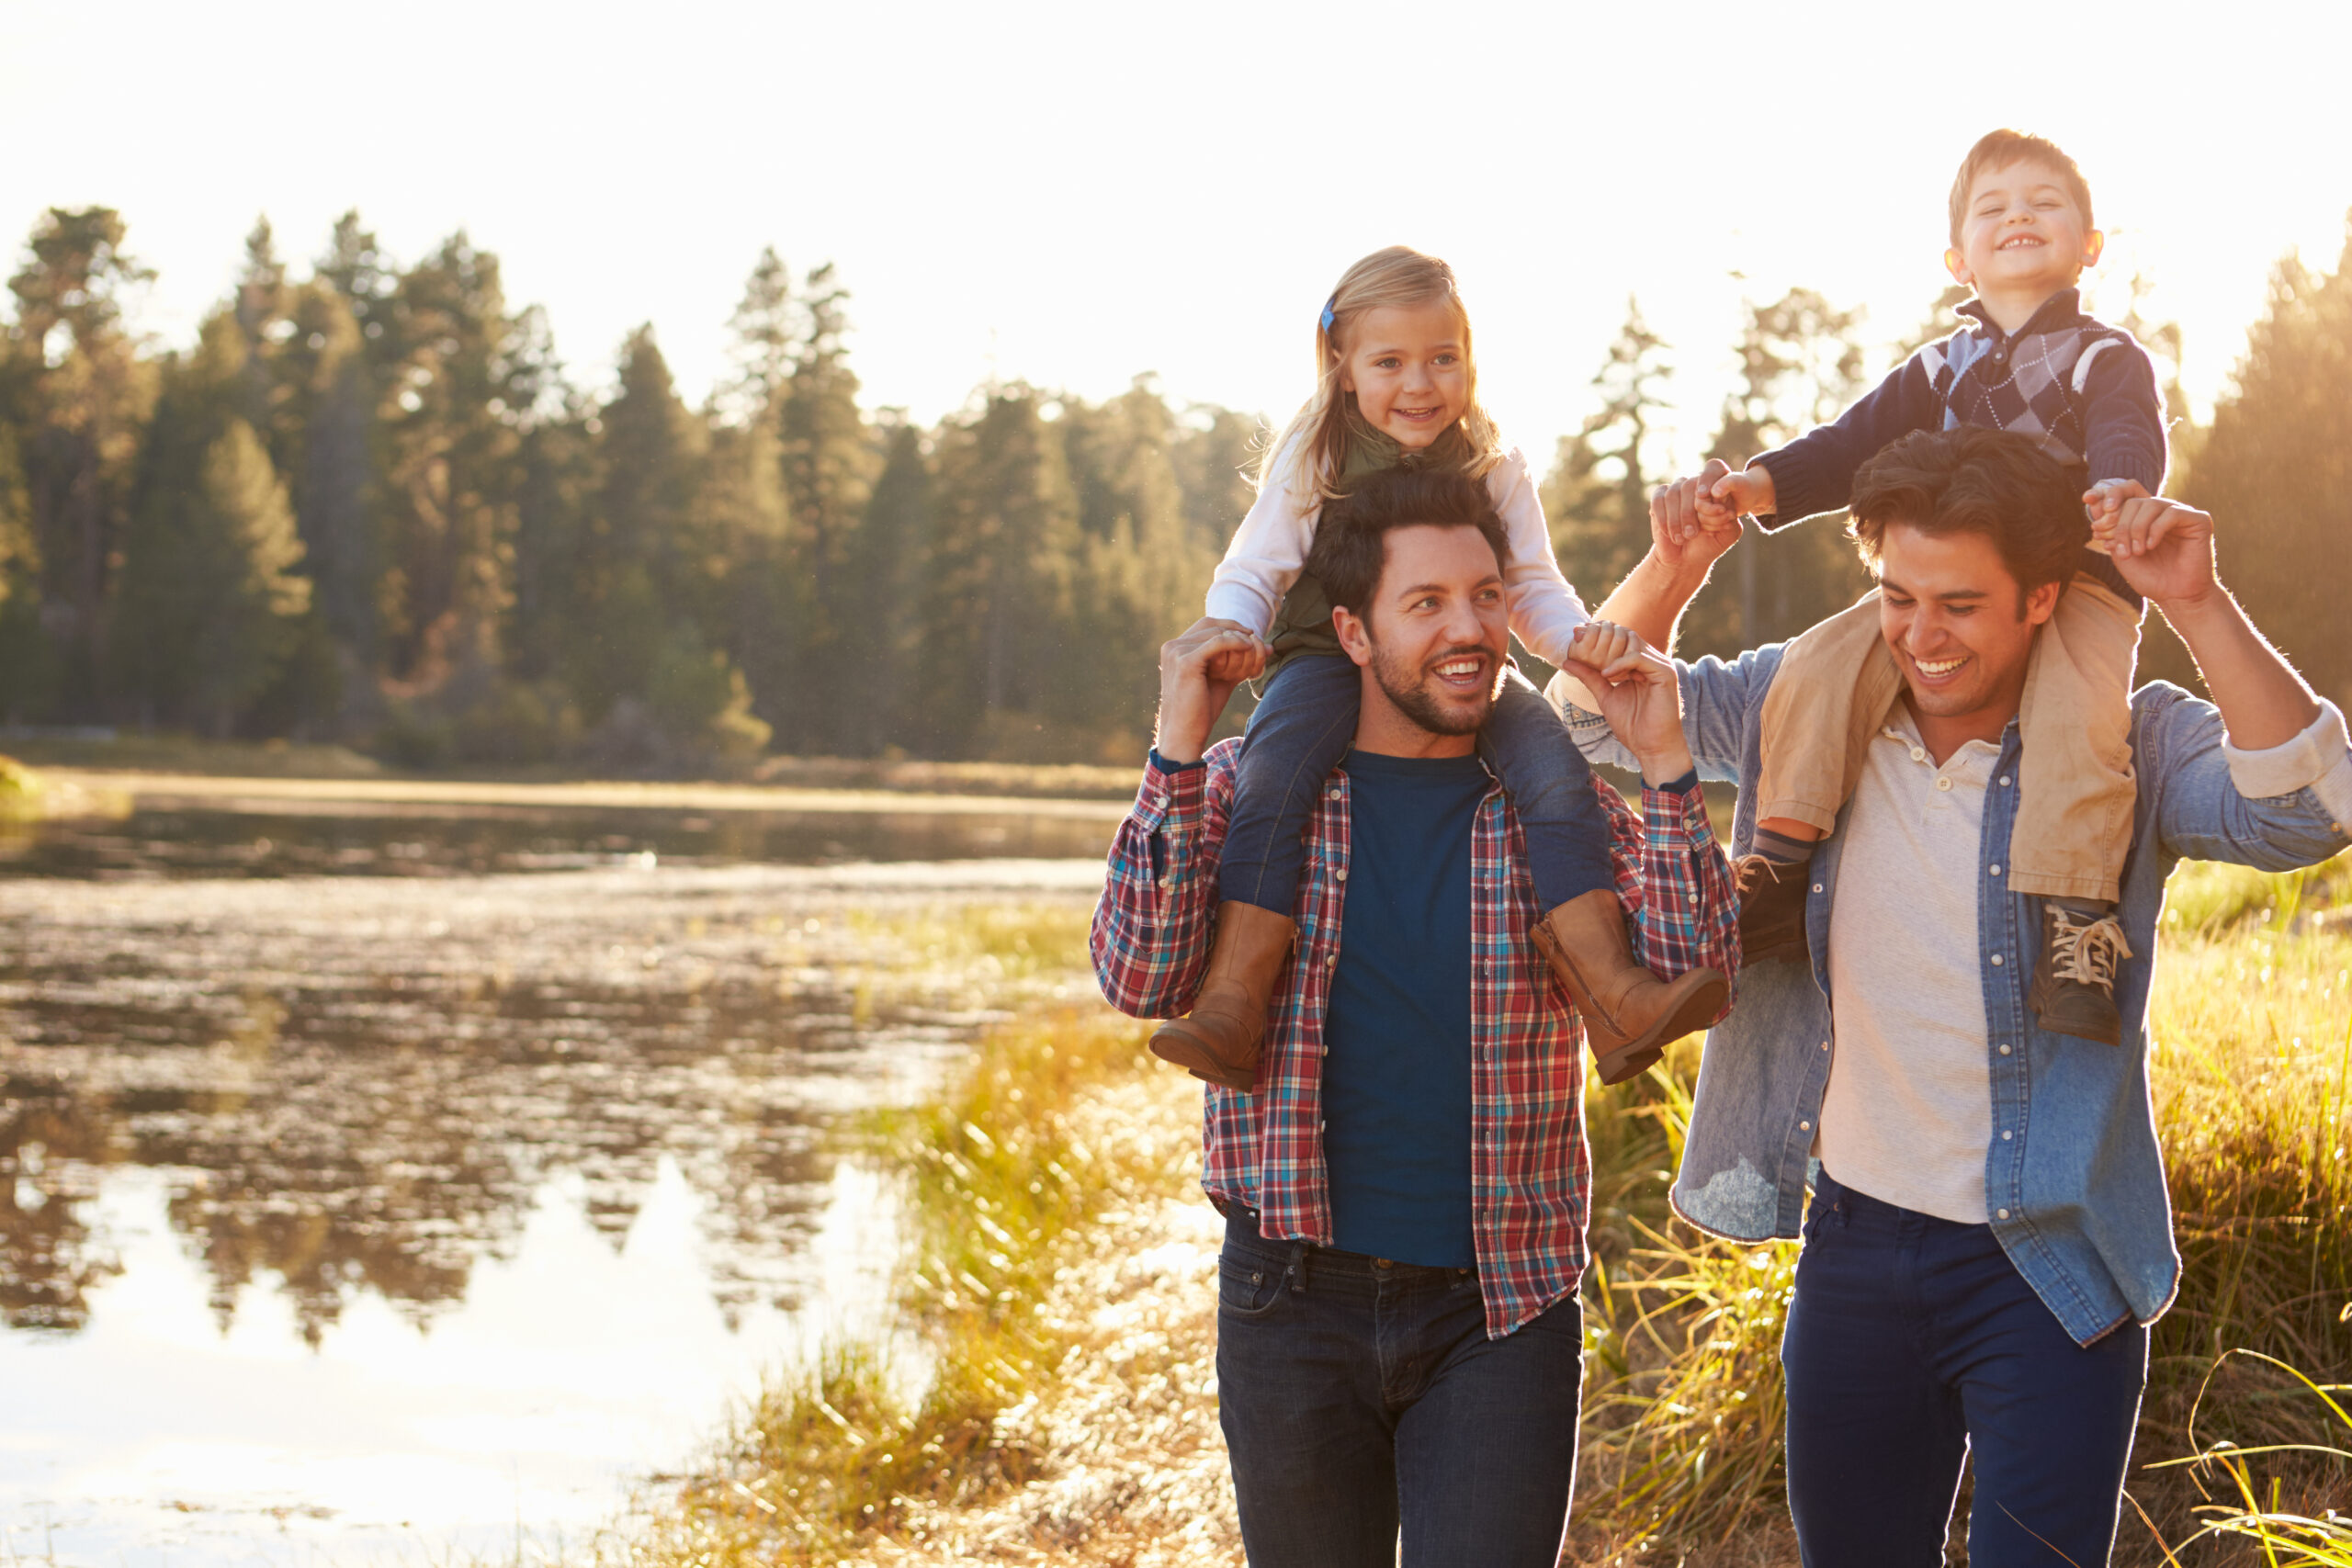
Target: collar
2063,308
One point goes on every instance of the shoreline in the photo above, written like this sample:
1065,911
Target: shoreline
163,791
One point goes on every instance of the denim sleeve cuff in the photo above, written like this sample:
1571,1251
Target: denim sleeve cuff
2319,759
1160,764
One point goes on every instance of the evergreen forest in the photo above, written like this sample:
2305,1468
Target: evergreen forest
369,503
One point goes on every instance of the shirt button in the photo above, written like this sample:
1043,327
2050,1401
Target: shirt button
1805,1126
1330,960
2004,1135
1163,885
1335,793
1996,960
2004,780
1690,898
1995,870
1342,873
2005,1049
1824,1045
1943,781
2000,1213
1817,887
1918,753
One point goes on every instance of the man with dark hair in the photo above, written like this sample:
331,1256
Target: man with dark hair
1989,1234
1406,1189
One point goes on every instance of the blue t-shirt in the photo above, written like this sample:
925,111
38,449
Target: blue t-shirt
1396,1078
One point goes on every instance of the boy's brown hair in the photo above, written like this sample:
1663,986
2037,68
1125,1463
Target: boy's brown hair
1998,150
1351,538
1993,482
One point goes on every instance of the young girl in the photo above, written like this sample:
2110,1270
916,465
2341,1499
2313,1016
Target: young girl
1395,384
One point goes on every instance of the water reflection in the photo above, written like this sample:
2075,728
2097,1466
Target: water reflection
363,1128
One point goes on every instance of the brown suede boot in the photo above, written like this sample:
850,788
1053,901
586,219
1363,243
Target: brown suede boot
1771,909
1630,1015
2073,982
1218,1041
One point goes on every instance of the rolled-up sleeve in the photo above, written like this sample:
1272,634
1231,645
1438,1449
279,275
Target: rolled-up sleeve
1150,936
2319,759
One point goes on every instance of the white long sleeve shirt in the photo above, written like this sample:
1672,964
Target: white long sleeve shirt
1269,550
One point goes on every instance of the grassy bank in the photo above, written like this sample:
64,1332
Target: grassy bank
27,796
1046,1393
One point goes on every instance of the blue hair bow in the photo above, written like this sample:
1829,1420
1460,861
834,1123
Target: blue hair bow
1327,305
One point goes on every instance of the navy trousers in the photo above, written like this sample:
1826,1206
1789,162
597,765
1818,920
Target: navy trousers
1301,728
1358,1395
1914,1347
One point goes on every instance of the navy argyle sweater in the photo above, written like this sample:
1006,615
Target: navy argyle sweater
2087,391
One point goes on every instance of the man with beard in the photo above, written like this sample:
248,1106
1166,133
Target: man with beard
1405,1188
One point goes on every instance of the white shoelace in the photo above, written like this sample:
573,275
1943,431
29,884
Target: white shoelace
2086,951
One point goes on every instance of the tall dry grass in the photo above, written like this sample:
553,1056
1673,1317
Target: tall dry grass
2251,1070
2241,1450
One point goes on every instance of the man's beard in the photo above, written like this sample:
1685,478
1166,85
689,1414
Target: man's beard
1407,686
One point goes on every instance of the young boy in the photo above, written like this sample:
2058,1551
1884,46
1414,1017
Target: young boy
2031,361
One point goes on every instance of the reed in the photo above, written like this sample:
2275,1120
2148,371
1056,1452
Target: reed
1000,1188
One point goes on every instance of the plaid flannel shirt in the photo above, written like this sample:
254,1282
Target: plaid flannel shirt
1531,1177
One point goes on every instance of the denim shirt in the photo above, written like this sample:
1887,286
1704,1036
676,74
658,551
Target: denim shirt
2077,1198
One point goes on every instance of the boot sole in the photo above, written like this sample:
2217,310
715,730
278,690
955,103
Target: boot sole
1634,1056
1182,1050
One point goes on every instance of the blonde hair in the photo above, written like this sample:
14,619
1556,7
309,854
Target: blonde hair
1314,444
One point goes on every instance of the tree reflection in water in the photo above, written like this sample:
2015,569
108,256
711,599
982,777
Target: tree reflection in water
358,1085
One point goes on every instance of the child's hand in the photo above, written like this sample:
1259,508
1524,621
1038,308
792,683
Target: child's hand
1736,495
1603,652
2104,501
1236,661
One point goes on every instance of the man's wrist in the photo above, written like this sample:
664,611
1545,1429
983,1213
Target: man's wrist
1660,769
2210,605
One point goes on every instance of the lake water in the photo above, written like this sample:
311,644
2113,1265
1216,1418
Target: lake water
414,1187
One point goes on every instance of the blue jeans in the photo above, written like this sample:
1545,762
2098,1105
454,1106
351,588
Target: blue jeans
1301,728
1914,1347
1356,1394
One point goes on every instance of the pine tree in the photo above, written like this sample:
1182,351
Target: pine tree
1140,574
449,466
638,550
84,400
1597,496
891,566
999,595
2276,472
1800,363
212,600
829,464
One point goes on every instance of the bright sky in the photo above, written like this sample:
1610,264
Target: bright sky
1073,194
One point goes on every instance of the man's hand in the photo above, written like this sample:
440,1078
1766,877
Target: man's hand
2104,501
1198,670
1690,529
2165,550
1638,693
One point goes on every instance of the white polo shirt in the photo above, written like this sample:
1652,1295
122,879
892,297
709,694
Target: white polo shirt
1909,1107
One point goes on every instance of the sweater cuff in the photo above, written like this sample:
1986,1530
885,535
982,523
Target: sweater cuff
2319,759
1791,482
